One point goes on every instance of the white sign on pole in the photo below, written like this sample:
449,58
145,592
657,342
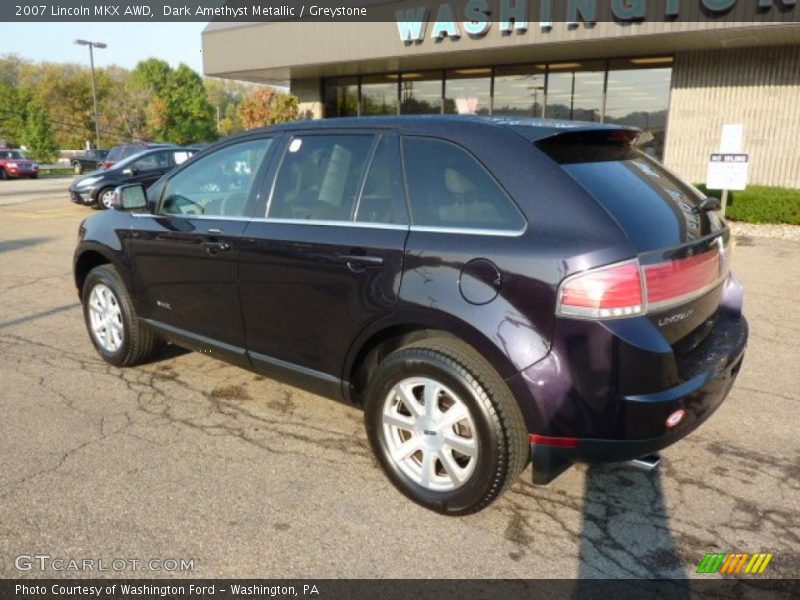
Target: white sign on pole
728,171
732,139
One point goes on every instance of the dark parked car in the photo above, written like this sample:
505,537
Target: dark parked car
492,291
14,164
145,168
91,160
123,151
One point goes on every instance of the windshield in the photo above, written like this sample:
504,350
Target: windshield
11,154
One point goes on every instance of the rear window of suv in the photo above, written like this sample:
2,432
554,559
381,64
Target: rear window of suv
648,202
449,189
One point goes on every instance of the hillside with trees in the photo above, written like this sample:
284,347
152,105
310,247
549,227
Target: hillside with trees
48,106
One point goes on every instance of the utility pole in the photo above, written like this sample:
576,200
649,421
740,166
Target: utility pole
92,46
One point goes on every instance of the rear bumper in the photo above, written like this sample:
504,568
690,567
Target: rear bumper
699,397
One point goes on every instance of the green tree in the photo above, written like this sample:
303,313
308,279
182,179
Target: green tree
152,74
178,109
13,113
265,107
14,100
123,106
38,135
190,116
225,97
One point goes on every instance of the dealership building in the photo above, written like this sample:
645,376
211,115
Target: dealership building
680,79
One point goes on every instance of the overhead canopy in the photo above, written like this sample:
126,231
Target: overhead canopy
279,51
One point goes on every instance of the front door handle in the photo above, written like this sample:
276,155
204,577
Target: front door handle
213,248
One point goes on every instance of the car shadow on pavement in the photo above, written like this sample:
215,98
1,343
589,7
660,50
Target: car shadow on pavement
9,245
626,532
168,352
40,315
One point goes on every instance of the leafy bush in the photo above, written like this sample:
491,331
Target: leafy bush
38,136
761,204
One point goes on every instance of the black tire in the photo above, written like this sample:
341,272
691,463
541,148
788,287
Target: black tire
139,344
78,168
502,438
35,176
3,174
100,194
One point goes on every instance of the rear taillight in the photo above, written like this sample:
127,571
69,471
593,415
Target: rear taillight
673,281
607,292
629,289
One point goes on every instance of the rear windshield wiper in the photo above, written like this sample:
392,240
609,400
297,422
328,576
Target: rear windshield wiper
709,204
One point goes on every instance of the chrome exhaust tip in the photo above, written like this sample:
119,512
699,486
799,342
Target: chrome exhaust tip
646,463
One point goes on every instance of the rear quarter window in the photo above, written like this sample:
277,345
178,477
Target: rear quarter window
448,188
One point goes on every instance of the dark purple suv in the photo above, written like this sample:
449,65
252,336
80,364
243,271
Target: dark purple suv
492,291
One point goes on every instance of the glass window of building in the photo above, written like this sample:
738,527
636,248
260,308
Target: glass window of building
638,95
341,97
575,91
379,95
421,93
468,91
519,91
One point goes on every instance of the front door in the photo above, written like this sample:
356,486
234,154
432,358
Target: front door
185,256
328,259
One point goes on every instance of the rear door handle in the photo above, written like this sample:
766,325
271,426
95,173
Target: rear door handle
361,260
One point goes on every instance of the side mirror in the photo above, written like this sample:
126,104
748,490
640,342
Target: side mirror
129,197
130,171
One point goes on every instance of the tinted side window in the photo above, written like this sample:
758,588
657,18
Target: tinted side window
218,184
382,199
153,161
320,177
448,187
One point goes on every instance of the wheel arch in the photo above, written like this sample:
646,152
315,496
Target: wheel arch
380,341
92,257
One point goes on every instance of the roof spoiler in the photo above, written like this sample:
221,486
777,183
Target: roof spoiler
599,136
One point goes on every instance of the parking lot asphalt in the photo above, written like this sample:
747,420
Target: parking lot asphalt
188,458
16,191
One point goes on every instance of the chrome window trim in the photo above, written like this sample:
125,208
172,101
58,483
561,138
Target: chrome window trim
468,231
359,224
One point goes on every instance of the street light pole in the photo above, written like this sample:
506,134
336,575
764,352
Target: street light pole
92,46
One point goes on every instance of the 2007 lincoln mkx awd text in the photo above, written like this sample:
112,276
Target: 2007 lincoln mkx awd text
492,291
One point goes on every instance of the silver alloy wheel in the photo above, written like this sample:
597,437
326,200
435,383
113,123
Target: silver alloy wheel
430,434
105,318
106,198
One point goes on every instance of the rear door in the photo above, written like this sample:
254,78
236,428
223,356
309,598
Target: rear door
326,262
185,255
683,248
